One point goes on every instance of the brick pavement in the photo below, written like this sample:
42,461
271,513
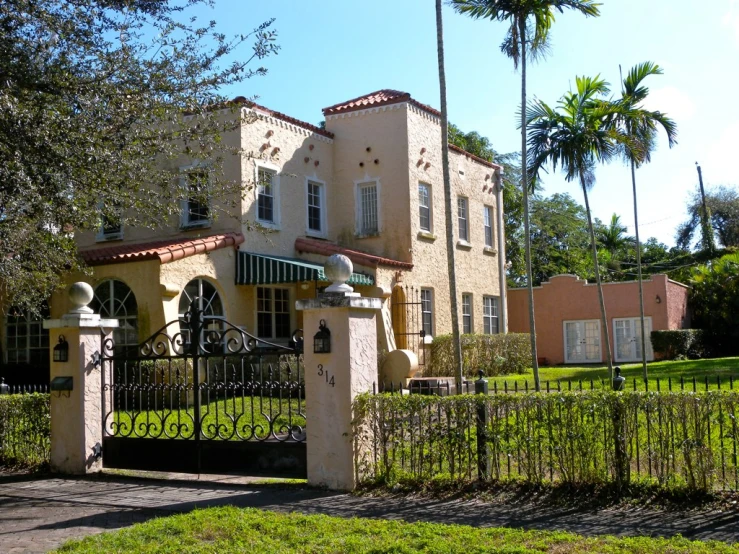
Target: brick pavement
39,514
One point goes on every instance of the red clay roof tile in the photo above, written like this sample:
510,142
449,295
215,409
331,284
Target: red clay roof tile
166,250
326,248
284,117
382,97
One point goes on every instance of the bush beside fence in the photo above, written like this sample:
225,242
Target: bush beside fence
494,354
673,440
25,433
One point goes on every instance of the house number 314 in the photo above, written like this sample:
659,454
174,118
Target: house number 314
324,373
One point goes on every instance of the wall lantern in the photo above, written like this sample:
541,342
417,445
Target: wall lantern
658,300
322,339
61,350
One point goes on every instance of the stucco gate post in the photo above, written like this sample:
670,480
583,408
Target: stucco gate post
76,414
333,380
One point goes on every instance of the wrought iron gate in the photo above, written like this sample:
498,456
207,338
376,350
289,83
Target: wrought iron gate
407,320
203,396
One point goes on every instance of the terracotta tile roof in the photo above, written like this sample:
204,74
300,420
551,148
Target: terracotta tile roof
382,97
473,157
283,117
326,248
167,250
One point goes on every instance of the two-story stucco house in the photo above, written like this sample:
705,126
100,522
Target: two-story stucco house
368,185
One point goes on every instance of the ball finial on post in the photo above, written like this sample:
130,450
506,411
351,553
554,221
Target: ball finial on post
338,269
80,295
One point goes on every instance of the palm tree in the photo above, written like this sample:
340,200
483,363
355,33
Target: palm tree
529,24
456,339
641,126
614,240
576,135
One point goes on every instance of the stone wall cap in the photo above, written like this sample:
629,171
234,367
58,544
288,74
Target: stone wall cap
87,321
338,301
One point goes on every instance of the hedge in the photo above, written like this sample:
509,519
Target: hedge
678,440
678,343
25,432
494,354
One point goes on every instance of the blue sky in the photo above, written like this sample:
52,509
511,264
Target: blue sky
334,50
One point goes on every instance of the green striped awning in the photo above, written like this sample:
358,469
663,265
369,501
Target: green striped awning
259,269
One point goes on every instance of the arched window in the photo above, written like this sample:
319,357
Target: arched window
114,299
26,340
207,299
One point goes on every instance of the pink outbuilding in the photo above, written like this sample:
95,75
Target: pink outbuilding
568,320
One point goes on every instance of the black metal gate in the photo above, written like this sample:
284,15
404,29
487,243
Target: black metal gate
203,396
407,318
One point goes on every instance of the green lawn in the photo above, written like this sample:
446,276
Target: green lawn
242,417
229,529
687,369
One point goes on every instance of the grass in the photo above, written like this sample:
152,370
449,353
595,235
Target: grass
229,529
725,368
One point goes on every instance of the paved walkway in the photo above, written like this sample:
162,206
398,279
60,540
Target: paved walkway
38,514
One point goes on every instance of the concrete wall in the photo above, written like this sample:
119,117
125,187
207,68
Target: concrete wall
568,298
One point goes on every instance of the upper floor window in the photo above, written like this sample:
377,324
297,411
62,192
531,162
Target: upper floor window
316,208
273,313
424,206
26,340
196,207
490,315
111,227
488,223
427,311
462,218
266,195
114,299
367,212
466,313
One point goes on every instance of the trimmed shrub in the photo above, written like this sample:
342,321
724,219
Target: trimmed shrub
25,431
671,440
494,354
678,343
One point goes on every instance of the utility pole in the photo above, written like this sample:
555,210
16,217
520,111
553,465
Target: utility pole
705,217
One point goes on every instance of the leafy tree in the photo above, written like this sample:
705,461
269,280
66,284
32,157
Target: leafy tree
450,249
92,106
527,37
715,303
576,136
641,126
723,207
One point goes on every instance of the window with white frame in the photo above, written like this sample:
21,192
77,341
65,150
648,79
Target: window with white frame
367,214
427,311
273,313
111,227
490,315
466,313
316,210
424,206
487,216
26,340
462,218
196,207
113,299
266,195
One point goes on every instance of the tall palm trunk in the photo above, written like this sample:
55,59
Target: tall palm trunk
458,369
639,277
603,319
525,185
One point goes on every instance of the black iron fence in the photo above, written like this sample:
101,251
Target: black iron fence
22,389
669,438
202,395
